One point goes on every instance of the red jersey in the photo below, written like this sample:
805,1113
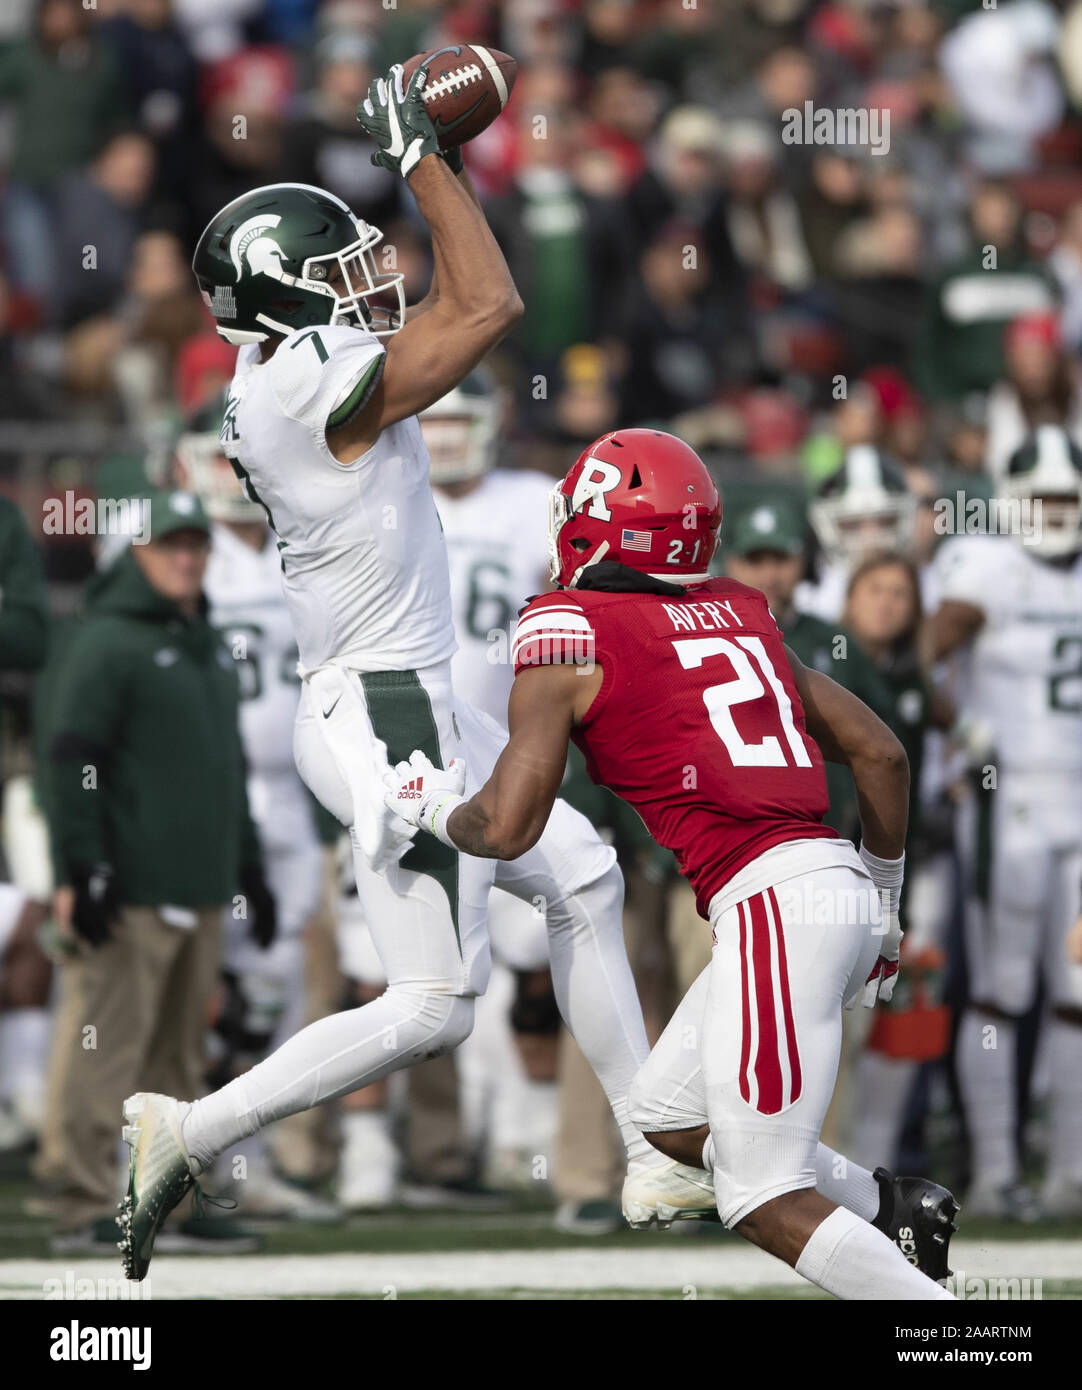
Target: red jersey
697,725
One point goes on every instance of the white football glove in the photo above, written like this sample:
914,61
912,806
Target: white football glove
887,875
424,794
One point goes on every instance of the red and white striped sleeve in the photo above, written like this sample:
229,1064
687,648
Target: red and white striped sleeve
553,630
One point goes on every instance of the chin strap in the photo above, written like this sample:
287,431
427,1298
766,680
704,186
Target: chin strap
611,577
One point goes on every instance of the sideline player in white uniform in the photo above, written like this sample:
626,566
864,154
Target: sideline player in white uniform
321,425
243,585
1012,607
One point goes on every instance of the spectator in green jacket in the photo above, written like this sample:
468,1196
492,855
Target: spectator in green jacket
151,838
765,549
884,612
969,304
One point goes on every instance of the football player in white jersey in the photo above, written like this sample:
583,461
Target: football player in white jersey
1012,607
243,585
321,426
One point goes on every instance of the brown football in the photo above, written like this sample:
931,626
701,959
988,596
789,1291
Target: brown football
466,90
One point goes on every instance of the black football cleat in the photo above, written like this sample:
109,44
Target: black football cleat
918,1216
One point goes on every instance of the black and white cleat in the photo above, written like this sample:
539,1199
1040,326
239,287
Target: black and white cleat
918,1216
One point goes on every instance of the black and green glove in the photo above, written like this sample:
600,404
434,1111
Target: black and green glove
397,121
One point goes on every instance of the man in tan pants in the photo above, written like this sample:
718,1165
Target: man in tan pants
144,789
132,1012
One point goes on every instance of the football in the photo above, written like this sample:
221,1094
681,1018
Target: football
467,88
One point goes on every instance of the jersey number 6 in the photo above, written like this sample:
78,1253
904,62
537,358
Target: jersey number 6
744,686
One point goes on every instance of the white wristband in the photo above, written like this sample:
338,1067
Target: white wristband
435,812
885,873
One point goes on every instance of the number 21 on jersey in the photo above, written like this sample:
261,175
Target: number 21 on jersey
745,685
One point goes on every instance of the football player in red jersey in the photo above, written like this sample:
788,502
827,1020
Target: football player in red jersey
680,693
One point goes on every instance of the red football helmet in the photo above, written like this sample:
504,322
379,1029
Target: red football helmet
641,497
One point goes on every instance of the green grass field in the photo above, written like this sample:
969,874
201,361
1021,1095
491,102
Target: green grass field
511,1254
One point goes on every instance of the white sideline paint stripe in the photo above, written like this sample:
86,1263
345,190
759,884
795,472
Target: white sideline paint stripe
493,72
685,1262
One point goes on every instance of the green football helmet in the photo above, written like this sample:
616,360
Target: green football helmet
291,256
866,505
1047,469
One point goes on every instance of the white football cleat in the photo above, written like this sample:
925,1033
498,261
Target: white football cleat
668,1192
160,1173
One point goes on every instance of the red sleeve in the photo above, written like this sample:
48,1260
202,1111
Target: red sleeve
553,629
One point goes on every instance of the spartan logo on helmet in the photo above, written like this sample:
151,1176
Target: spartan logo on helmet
264,256
317,268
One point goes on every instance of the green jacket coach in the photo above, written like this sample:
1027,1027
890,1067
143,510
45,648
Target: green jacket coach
151,839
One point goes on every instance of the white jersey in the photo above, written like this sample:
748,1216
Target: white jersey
244,588
364,566
498,549
1022,674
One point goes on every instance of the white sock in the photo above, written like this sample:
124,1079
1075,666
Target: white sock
363,1128
836,1178
596,993
851,1186
986,1063
329,1058
1065,1061
884,1084
852,1260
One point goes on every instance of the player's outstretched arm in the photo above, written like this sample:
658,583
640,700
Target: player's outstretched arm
477,301
848,732
432,297
509,813
507,816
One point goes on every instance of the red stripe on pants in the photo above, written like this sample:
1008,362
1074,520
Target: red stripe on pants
796,1084
767,1056
745,1008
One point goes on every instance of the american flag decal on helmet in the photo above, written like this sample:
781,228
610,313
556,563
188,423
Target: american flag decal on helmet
636,540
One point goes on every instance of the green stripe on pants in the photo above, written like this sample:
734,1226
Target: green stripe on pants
401,715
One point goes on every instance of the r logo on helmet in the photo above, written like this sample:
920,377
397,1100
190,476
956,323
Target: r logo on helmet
592,485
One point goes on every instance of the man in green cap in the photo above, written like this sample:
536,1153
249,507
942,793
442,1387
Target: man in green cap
765,548
151,838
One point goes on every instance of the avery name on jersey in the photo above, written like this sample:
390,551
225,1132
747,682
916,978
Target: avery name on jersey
701,617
